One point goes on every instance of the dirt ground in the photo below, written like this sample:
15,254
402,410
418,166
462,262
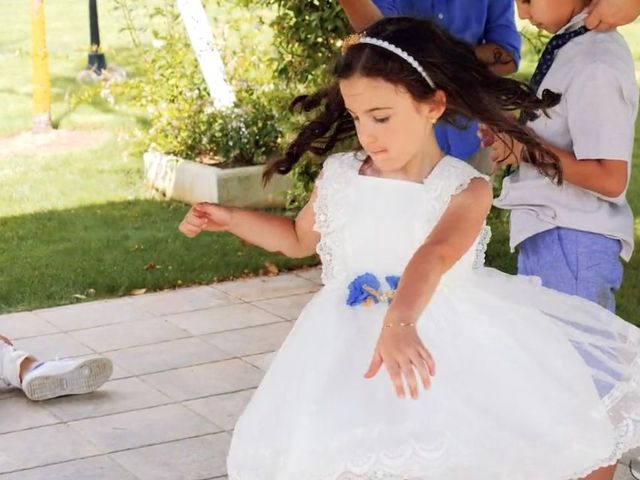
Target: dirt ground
52,142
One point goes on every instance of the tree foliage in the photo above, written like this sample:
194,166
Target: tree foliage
307,34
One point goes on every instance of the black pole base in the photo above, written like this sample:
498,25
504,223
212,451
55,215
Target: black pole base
97,63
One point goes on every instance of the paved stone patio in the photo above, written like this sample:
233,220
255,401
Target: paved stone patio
186,363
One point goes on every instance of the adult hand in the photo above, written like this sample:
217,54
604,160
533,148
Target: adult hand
403,353
608,14
208,217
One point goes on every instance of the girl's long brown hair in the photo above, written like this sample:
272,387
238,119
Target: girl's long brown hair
471,89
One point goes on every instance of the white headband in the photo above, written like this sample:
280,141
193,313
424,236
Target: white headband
401,53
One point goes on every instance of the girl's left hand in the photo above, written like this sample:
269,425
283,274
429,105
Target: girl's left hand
403,353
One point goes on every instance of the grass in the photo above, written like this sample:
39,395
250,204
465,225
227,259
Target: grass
95,233
83,225
100,251
67,42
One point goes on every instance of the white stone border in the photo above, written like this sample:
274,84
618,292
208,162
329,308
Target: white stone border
193,182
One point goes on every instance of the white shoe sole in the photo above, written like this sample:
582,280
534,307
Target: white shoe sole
84,377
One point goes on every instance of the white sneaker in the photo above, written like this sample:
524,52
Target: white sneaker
55,378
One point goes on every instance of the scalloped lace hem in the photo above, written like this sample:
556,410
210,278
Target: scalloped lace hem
387,472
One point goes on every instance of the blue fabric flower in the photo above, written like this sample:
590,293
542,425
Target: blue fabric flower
357,293
392,281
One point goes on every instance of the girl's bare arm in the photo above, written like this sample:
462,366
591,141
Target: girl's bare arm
275,233
399,347
450,239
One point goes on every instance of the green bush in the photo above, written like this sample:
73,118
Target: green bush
303,176
307,35
273,50
173,93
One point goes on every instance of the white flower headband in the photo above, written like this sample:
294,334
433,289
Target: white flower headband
392,48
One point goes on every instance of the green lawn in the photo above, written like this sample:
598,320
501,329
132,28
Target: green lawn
79,223
67,42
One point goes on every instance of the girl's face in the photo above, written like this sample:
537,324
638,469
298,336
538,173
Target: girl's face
549,15
395,130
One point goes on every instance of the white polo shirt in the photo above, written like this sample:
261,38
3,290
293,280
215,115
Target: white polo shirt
595,119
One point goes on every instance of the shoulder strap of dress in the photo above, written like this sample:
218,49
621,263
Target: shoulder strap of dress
337,171
451,176
332,187
340,164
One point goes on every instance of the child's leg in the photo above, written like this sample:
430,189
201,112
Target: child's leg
54,378
574,262
13,363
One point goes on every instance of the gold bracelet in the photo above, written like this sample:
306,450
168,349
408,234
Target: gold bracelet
401,324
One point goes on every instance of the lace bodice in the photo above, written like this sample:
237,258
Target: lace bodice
371,224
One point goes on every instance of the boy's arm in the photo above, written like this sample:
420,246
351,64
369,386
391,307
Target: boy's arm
293,238
603,176
454,234
608,14
361,13
600,102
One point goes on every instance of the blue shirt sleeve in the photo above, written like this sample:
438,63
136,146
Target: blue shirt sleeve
388,8
501,27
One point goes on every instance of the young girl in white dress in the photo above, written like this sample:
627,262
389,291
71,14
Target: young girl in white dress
488,376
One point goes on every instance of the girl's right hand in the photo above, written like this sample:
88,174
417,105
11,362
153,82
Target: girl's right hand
6,340
208,217
401,350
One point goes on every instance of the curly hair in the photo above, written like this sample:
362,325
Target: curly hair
471,89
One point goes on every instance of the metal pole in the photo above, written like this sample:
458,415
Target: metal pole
40,64
97,61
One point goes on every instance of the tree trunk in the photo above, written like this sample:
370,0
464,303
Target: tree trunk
209,58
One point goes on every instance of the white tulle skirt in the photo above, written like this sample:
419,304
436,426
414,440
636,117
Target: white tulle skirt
531,384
